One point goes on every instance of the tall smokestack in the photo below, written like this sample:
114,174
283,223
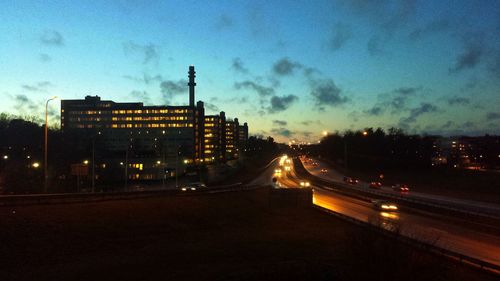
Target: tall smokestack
191,84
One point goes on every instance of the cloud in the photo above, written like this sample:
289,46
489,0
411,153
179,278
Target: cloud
490,116
434,26
285,67
396,101
282,132
146,78
224,22
212,107
170,88
261,90
44,58
38,87
279,123
494,65
23,104
386,14
471,55
406,91
148,52
375,111
458,101
341,34
141,95
238,66
424,108
326,93
310,122
52,38
281,103
448,125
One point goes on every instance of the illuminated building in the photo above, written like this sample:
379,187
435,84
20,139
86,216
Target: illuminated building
151,140
232,139
214,138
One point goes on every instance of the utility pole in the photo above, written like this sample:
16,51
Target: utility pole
126,167
177,161
93,164
46,163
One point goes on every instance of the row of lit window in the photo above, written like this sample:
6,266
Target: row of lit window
175,125
151,118
137,166
148,111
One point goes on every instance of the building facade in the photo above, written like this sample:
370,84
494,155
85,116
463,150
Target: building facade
152,140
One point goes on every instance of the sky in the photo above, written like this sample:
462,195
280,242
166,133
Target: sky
291,69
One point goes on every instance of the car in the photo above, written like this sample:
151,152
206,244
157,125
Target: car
324,170
305,184
350,180
375,185
400,187
385,206
193,186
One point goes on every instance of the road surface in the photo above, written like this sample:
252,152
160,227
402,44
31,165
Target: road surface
335,176
430,228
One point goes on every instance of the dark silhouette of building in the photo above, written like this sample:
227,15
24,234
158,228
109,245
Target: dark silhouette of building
152,139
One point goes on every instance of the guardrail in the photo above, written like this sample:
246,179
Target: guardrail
65,198
454,209
463,259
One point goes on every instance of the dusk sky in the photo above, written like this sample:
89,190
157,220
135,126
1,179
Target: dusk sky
291,69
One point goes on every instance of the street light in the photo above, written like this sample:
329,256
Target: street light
45,163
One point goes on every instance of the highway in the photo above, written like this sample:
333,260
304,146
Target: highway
430,228
335,176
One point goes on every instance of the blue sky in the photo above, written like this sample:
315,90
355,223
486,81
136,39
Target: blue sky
291,69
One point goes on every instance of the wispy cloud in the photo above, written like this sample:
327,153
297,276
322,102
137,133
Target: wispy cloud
458,101
170,88
471,55
52,38
148,53
223,22
490,116
44,58
326,93
37,87
146,78
238,66
340,35
282,132
418,111
281,103
261,90
435,26
285,66
279,123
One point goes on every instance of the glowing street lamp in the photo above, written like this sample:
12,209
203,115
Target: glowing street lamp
35,165
45,166
325,133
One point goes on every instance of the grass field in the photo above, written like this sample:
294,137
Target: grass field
230,236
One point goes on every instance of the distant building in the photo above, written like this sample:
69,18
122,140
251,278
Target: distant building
468,152
152,140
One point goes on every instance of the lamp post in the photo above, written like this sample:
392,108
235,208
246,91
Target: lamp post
45,163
